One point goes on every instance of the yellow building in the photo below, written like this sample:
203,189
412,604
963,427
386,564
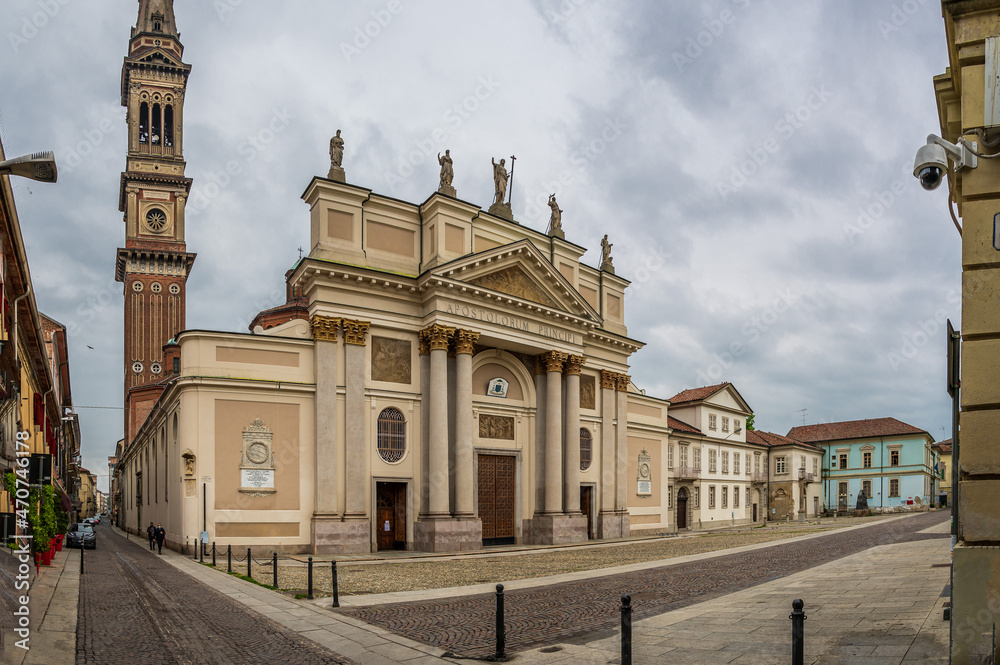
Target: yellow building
968,107
87,494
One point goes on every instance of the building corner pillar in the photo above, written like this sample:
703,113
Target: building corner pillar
465,341
571,435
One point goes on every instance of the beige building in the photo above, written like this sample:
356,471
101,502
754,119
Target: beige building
794,476
968,109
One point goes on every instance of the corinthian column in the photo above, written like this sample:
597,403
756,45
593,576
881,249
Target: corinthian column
464,343
357,446
621,386
608,464
324,330
553,431
571,486
438,337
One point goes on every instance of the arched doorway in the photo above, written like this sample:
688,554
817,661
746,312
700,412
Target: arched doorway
682,508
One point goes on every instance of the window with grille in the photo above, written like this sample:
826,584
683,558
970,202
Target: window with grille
748,496
725,496
894,487
815,466
391,435
711,496
736,496
586,449
697,497
670,496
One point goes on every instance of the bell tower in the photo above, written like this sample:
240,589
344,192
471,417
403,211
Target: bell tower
154,264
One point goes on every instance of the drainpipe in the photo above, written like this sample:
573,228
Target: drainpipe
17,363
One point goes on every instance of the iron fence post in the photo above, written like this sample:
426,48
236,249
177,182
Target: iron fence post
336,596
274,565
309,596
213,554
196,540
229,558
249,563
82,548
201,549
798,618
626,655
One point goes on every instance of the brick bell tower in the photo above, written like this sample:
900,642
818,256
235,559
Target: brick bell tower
154,264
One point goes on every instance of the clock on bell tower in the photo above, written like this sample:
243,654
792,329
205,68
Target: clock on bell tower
154,264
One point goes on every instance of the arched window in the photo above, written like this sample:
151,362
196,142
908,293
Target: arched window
391,435
168,126
586,449
144,123
157,125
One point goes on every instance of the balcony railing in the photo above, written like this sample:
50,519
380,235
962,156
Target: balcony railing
759,477
805,477
682,472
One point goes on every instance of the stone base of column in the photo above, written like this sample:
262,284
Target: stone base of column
613,524
448,535
557,529
332,535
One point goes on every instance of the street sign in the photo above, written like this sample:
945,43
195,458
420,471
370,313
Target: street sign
204,537
954,359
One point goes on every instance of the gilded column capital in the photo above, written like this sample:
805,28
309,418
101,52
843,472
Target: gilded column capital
355,331
465,341
554,361
324,328
573,364
608,379
622,382
423,343
438,336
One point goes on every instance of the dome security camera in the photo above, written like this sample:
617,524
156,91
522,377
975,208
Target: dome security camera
931,161
930,165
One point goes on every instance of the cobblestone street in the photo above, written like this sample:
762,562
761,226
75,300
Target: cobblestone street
136,608
583,611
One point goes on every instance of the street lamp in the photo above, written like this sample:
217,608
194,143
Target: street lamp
40,166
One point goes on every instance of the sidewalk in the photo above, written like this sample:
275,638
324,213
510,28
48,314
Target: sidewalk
53,601
882,605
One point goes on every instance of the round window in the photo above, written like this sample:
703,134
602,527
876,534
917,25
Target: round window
137,286
137,367
156,287
175,289
156,220
156,368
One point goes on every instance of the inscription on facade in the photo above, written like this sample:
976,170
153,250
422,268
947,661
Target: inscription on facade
391,360
516,323
496,427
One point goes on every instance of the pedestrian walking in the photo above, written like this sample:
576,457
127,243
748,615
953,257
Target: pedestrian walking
160,534
151,532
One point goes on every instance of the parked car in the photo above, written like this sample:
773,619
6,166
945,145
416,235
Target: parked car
97,519
81,535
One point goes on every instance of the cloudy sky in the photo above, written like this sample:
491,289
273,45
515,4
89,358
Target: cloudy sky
749,159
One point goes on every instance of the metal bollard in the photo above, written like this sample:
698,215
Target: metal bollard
309,596
501,651
249,563
201,548
274,566
626,656
195,549
229,558
81,557
336,596
213,554
798,618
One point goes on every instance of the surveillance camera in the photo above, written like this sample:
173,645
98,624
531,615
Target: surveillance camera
930,165
931,161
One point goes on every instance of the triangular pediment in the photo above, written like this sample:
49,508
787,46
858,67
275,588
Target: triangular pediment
521,271
514,281
729,398
156,55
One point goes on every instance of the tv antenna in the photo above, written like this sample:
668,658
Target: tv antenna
803,412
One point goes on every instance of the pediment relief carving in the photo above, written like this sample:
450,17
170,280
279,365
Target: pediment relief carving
513,281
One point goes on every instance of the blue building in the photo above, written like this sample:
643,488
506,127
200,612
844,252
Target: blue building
891,461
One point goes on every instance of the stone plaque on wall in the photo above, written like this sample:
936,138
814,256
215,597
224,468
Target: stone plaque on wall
496,427
390,360
587,395
645,480
257,460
